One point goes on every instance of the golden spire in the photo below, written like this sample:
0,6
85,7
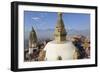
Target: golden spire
60,32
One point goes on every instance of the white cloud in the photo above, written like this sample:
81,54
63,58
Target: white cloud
35,18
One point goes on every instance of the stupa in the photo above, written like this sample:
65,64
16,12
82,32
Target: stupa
60,48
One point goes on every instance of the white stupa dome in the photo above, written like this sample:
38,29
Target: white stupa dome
65,50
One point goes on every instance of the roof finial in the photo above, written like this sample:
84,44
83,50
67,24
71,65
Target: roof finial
59,14
33,28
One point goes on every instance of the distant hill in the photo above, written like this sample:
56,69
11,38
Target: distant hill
85,33
44,34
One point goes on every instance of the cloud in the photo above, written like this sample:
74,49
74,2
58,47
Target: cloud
43,14
36,18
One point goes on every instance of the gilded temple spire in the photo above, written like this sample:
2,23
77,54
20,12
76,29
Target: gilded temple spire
60,31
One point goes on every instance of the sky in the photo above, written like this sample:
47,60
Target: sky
48,20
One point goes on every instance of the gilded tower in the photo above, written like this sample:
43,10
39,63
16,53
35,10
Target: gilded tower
60,31
32,40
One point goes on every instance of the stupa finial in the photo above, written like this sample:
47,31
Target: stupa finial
59,14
